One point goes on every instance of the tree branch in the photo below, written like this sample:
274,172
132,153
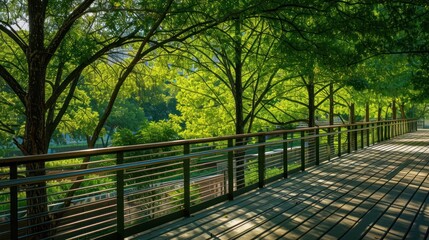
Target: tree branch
6,28
13,84
68,23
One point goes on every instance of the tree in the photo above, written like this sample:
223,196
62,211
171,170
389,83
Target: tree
231,75
56,41
231,71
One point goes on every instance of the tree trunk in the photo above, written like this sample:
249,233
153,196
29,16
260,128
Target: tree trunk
331,120
238,98
311,147
402,109
394,111
366,112
35,140
311,104
352,120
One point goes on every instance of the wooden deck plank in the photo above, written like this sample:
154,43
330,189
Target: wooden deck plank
382,199
325,201
420,227
344,213
292,189
334,202
397,202
378,192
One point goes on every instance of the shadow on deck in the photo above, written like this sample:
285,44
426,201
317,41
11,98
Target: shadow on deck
380,192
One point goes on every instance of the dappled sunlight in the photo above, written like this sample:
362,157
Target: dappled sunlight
368,193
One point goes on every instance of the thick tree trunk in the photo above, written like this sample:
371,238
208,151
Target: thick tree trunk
35,138
35,142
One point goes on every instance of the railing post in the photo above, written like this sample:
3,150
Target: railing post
368,126
302,151
406,124
349,140
230,170
372,133
187,181
401,127
261,161
13,203
377,128
285,163
339,142
361,136
317,147
355,137
396,128
389,130
120,197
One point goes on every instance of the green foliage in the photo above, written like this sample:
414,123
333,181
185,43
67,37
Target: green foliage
358,83
251,172
158,132
177,196
149,133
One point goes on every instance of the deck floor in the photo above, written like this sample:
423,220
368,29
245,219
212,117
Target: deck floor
377,193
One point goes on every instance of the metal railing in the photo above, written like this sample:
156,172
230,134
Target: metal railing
120,191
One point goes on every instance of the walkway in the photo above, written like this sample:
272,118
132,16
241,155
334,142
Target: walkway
380,192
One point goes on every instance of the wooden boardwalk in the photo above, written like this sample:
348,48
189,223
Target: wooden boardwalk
380,192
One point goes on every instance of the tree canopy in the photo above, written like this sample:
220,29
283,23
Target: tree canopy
90,68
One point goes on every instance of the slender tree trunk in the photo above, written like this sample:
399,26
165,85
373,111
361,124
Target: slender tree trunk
352,120
367,120
379,129
402,109
238,98
379,113
331,119
311,149
394,110
367,112
311,106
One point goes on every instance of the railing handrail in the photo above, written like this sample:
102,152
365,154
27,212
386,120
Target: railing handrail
112,150
124,166
118,167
